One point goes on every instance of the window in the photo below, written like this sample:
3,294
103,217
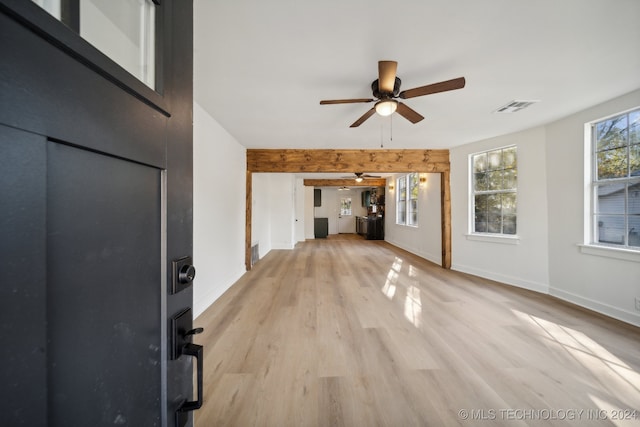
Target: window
345,206
615,183
494,191
125,31
407,200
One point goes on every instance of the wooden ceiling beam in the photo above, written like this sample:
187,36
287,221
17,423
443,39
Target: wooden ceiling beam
347,161
351,161
367,182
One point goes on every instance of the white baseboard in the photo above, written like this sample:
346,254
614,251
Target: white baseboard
285,246
435,258
607,310
204,302
502,278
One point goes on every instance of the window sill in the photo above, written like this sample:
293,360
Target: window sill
610,252
501,238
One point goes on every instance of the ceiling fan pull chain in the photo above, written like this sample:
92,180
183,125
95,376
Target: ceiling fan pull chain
391,128
381,135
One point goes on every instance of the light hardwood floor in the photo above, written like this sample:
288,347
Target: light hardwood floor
349,332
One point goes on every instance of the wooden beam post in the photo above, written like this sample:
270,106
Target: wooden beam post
445,207
248,213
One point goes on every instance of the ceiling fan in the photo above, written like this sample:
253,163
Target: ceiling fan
359,176
387,88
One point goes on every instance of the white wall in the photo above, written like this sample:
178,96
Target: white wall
219,165
299,200
309,232
273,211
328,208
426,239
551,220
261,212
600,283
282,208
524,264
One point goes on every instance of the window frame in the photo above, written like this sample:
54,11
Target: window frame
592,238
51,28
487,235
346,206
407,202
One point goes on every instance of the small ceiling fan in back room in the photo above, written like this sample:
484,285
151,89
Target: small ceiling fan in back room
359,176
386,89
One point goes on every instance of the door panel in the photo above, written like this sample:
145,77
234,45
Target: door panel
49,92
346,221
96,181
103,289
22,278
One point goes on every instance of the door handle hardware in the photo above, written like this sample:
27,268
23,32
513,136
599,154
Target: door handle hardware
181,333
194,331
182,416
196,351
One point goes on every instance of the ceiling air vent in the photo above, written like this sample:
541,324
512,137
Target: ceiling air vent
514,106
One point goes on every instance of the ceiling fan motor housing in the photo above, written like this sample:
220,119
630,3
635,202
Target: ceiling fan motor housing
382,95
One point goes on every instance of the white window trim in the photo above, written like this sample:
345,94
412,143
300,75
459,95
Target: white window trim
505,239
587,246
407,200
509,239
610,252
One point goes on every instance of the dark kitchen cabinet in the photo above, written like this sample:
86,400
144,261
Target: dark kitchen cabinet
366,198
372,228
317,197
321,227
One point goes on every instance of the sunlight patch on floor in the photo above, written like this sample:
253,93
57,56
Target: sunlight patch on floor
389,288
413,306
605,367
413,272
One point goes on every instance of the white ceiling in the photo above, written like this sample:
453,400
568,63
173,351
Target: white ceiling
261,67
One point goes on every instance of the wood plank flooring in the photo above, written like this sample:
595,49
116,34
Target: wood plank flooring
348,332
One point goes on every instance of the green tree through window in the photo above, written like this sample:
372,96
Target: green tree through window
616,180
494,192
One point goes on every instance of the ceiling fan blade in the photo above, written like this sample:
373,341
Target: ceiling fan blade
433,88
408,113
387,76
345,101
364,117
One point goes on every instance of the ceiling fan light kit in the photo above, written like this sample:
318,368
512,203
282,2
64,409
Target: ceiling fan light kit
386,107
387,87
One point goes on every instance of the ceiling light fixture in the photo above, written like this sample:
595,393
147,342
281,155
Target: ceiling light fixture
359,179
386,107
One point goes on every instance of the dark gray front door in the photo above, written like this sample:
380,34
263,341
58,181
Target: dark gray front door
95,204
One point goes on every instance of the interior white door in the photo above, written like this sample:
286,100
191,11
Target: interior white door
346,219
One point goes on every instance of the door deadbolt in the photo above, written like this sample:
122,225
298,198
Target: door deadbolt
183,273
187,274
